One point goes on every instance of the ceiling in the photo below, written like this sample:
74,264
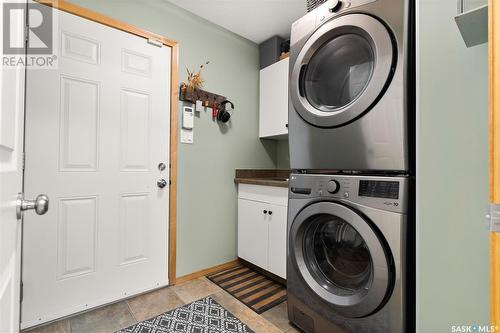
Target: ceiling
256,20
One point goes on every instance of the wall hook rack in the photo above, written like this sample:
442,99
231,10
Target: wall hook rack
192,95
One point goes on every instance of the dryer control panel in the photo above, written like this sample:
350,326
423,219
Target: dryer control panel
306,25
334,7
387,193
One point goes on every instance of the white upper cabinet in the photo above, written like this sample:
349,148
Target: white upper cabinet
273,104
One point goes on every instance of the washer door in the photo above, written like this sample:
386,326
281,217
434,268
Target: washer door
341,258
342,70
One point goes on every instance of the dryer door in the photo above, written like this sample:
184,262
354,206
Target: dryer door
342,70
342,258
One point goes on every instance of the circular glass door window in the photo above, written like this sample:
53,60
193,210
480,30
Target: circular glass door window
338,256
342,70
338,72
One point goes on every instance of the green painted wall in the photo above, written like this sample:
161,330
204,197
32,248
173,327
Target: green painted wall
452,173
283,155
206,225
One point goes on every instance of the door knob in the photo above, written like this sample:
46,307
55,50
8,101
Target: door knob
40,205
161,183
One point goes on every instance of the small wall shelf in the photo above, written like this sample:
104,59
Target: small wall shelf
473,26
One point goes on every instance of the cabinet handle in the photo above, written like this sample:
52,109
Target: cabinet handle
265,211
270,213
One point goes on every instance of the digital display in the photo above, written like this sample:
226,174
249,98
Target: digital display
379,189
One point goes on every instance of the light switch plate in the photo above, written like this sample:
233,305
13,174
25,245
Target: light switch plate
199,106
186,136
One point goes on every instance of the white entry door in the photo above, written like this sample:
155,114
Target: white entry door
97,129
11,181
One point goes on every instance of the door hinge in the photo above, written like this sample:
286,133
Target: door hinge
23,160
155,42
494,217
21,292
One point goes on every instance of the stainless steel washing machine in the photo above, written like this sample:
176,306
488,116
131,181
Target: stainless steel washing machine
346,253
349,69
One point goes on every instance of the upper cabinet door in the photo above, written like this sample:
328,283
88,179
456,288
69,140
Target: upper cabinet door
273,106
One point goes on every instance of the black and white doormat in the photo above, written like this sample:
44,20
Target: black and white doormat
202,316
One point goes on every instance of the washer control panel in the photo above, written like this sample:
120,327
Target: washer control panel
388,193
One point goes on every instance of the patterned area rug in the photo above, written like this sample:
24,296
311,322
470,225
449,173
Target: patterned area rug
253,289
202,316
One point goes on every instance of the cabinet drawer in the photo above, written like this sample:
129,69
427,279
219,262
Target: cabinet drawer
269,194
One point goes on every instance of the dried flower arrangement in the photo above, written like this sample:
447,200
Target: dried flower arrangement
195,81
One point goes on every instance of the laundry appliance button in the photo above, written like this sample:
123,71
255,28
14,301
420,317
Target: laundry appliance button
332,186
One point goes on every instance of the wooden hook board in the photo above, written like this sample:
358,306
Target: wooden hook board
206,97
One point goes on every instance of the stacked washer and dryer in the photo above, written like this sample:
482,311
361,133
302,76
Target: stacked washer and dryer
350,124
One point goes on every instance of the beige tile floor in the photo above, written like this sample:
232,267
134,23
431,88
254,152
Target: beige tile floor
125,313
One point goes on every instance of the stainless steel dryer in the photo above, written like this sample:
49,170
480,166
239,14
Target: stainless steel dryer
346,253
348,91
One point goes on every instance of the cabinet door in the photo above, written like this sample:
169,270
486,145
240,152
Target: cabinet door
277,240
273,105
252,232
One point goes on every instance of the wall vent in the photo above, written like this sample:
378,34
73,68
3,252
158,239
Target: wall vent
312,4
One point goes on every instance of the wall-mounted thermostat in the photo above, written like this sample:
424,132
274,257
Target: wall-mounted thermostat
187,124
188,117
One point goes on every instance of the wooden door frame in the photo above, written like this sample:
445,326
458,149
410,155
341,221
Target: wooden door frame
174,84
494,141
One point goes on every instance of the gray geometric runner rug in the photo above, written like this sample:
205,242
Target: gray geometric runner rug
202,316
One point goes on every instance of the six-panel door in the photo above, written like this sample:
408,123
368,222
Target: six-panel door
97,129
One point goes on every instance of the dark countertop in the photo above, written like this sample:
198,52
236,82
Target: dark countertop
266,177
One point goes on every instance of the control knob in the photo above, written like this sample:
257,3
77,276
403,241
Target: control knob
332,186
336,5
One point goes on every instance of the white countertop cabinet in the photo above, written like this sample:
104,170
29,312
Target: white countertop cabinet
262,224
